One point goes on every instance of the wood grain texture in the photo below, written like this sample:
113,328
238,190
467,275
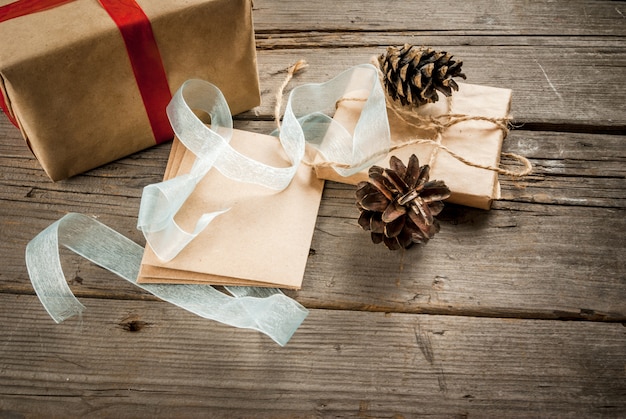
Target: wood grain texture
551,85
477,18
514,312
130,359
551,248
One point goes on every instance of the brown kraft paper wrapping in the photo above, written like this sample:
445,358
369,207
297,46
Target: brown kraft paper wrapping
263,240
67,78
478,141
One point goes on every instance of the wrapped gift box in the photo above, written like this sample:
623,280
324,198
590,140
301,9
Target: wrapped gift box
68,82
476,140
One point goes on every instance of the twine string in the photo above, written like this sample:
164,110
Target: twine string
293,69
437,123
439,137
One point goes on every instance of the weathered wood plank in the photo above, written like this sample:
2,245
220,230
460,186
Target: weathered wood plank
537,261
338,364
581,169
522,260
48,392
571,154
376,343
442,39
530,261
481,17
552,86
569,168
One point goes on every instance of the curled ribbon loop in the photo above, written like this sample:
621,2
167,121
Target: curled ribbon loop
161,201
266,310
305,121
307,116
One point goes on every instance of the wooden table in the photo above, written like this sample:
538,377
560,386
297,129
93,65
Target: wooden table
515,312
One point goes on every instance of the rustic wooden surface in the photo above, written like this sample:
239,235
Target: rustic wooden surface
515,312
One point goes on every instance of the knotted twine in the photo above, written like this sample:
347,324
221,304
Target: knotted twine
439,124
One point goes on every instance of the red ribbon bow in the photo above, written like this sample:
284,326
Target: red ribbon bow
142,50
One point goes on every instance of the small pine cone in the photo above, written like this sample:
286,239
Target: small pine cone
399,205
412,75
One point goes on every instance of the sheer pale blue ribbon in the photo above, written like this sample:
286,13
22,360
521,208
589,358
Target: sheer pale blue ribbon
266,310
263,309
306,119
161,201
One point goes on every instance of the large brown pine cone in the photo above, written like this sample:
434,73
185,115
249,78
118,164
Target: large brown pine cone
399,205
413,75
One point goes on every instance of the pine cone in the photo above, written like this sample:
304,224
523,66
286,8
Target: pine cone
399,205
412,75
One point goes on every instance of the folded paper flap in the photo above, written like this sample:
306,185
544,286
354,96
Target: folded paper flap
477,140
158,275
5,103
265,236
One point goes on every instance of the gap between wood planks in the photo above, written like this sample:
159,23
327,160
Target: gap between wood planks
312,304
568,127
581,315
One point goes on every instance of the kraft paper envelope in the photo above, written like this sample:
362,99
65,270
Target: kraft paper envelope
265,238
475,140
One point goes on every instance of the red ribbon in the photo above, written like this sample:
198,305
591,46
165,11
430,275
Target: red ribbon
141,47
5,109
